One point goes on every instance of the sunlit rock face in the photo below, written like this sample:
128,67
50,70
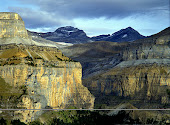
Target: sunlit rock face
60,87
12,30
57,88
12,25
38,76
50,78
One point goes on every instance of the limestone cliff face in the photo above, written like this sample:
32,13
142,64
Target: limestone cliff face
50,78
142,82
12,30
147,51
43,76
55,87
12,25
59,86
143,73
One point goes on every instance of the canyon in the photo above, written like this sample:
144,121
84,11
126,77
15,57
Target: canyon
137,71
35,74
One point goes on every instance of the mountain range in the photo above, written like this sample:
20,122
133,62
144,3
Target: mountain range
112,72
137,71
73,35
66,34
123,35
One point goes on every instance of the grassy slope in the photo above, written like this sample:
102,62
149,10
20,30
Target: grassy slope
97,49
9,98
15,54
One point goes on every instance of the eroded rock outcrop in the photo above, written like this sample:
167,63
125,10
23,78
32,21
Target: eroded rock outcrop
38,77
142,82
51,79
143,73
12,30
12,25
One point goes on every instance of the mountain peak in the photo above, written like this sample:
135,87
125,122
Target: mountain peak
124,31
67,29
129,28
68,34
123,35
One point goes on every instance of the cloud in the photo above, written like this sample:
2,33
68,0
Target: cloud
37,19
47,14
99,8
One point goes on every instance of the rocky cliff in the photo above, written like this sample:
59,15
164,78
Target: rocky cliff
12,30
142,82
12,25
36,77
142,73
51,79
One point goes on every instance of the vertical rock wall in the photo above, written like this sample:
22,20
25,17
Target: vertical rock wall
57,88
12,25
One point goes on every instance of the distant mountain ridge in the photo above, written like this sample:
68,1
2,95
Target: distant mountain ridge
123,35
137,70
73,35
66,34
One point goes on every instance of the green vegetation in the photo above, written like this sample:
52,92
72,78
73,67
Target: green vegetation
64,59
9,98
11,62
9,53
168,92
83,117
100,106
56,66
3,121
17,122
30,64
4,87
35,123
28,58
59,58
12,122
162,71
6,90
152,121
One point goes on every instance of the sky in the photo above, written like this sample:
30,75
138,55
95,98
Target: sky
95,17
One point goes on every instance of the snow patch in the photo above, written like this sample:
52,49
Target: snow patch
66,44
125,35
